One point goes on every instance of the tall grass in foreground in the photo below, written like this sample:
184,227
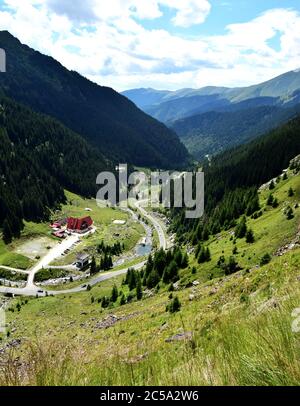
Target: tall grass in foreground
239,349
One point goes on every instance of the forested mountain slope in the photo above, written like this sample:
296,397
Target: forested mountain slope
213,132
232,179
105,118
39,158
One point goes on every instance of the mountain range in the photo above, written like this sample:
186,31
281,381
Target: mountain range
106,119
212,119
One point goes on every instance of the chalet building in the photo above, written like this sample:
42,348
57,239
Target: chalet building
82,261
79,225
59,224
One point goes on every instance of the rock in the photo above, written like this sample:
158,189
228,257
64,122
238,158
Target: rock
180,337
272,303
213,291
192,297
196,283
136,359
176,285
164,327
111,320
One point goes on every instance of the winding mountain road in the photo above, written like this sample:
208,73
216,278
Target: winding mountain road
32,290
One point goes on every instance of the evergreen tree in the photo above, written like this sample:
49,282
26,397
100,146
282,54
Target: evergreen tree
185,261
241,228
93,267
207,255
289,213
178,256
7,233
174,306
123,300
275,203
250,237
114,294
291,192
204,255
139,290
153,279
270,200
231,267
265,259
171,273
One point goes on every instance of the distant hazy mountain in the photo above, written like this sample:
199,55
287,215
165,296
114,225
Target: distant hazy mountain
169,106
212,119
109,121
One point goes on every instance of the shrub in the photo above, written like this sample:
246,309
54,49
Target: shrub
266,259
174,306
250,237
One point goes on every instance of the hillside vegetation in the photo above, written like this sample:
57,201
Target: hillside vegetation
213,132
40,157
233,328
232,180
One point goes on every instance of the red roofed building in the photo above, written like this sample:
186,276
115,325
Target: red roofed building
79,225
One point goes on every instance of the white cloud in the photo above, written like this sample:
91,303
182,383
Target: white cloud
113,48
189,12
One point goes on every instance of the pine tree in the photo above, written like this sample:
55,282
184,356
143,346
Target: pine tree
265,259
123,300
250,237
291,192
270,200
241,228
185,261
170,273
139,291
178,257
272,185
207,255
289,213
202,256
114,294
275,203
7,233
174,306
153,279
93,266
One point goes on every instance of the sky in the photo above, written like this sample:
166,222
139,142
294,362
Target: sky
163,44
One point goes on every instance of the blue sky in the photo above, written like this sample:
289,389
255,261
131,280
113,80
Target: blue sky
165,44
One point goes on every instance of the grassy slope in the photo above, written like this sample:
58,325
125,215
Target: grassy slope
240,324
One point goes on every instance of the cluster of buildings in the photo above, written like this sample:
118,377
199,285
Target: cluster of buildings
68,226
